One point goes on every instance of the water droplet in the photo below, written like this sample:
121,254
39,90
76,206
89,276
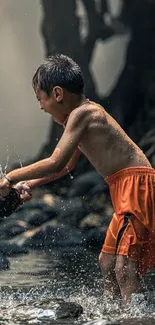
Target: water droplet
7,161
71,177
20,162
1,171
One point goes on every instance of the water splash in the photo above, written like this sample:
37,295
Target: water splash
20,162
7,160
1,171
35,304
68,171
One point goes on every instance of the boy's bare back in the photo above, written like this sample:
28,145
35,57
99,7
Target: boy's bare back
104,142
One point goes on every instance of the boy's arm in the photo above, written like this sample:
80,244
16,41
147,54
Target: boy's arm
71,165
75,128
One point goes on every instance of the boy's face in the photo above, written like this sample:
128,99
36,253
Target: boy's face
52,104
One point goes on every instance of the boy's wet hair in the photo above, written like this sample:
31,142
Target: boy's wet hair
59,70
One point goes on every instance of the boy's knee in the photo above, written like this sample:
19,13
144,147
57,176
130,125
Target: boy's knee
106,262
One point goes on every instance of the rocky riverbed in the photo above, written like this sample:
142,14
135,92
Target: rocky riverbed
59,216
67,222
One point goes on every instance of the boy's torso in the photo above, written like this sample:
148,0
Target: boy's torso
106,145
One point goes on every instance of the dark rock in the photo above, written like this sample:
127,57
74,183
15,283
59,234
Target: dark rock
50,234
68,310
72,211
15,227
4,263
52,212
84,184
60,309
91,221
42,202
35,217
63,309
37,213
34,204
95,221
97,203
98,189
11,249
94,237
12,226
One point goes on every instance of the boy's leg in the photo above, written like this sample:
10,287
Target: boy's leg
128,277
107,264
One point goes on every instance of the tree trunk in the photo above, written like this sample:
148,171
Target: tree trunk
131,94
61,34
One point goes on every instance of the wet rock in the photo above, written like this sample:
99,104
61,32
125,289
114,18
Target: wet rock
36,217
102,322
38,204
86,184
97,203
68,310
36,213
91,221
11,249
49,309
4,263
12,226
94,230
50,234
63,309
16,227
72,211
108,211
50,200
94,237
45,200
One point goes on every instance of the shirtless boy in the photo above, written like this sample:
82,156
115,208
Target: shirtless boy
129,246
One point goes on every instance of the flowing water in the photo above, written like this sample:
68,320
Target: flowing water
72,275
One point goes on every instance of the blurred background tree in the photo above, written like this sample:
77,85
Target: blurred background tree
131,101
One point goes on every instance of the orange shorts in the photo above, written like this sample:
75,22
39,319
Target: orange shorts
132,228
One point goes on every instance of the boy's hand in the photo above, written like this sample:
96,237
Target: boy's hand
24,190
5,187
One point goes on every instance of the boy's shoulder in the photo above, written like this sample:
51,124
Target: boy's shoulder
85,110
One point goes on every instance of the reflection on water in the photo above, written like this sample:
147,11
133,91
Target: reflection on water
29,289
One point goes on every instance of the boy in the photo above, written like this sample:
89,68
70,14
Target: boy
129,247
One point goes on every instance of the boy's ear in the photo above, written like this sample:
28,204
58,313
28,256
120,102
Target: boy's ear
58,93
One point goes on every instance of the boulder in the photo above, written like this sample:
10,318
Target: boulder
36,217
72,211
4,263
97,203
94,228
94,238
49,309
63,309
91,221
11,249
15,227
12,226
51,233
86,183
